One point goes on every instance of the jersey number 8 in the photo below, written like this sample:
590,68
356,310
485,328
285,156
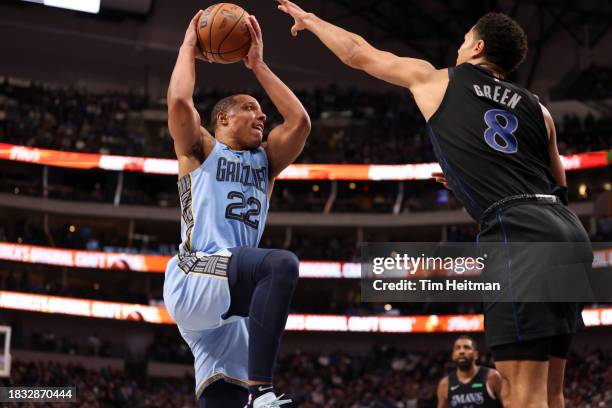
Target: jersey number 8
498,132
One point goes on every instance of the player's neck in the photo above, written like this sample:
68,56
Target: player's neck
466,376
488,66
230,142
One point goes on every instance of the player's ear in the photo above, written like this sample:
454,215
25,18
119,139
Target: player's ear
478,48
222,118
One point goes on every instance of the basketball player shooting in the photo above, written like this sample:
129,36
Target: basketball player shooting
220,277
497,148
470,385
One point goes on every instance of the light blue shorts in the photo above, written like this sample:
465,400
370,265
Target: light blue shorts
197,295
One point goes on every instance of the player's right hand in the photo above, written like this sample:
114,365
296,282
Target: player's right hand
299,15
439,176
191,36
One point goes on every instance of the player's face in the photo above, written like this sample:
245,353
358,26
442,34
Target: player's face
247,121
466,51
464,353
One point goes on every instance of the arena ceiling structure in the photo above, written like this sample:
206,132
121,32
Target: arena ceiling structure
431,27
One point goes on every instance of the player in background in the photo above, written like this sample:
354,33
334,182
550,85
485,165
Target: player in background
497,148
229,298
471,385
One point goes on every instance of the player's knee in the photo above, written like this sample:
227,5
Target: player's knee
286,266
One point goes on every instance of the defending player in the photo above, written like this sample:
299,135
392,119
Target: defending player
471,385
498,151
219,276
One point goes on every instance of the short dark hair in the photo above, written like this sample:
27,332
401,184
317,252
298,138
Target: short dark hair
223,105
505,41
466,337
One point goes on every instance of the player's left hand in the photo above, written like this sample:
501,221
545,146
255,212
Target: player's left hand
255,54
440,178
299,16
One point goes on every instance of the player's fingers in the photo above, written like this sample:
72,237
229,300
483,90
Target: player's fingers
294,30
255,25
196,18
254,37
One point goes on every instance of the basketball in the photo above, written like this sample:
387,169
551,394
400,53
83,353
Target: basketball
222,33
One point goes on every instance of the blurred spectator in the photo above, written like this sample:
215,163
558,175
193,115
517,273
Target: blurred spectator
592,83
350,125
383,377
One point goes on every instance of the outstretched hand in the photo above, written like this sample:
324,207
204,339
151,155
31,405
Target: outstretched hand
299,15
255,54
191,36
440,178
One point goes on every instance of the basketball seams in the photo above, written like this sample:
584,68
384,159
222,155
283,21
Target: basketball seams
210,28
217,56
234,50
220,55
230,32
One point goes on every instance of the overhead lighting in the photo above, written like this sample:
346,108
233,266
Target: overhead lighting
87,6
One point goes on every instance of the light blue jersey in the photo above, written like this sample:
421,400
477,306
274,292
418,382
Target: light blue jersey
224,204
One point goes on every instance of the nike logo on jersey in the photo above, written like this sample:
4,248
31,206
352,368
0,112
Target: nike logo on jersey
454,387
261,389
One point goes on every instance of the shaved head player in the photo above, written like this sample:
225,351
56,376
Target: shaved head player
220,278
470,385
498,151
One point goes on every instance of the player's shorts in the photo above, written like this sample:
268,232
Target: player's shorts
540,349
197,296
533,221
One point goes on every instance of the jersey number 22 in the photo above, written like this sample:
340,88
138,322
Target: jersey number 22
249,217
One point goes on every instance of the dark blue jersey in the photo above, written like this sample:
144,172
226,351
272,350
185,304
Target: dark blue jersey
474,394
490,139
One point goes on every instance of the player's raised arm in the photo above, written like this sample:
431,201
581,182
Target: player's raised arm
357,53
286,141
191,141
